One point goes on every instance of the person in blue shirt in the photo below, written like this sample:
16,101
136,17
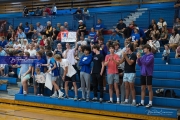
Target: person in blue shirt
37,63
54,72
135,37
99,26
27,28
2,52
92,34
85,64
3,42
114,37
21,34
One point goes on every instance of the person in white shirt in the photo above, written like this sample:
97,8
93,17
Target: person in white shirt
82,42
32,51
161,23
17,45
24,44
54,9
69,74
154,43
39,28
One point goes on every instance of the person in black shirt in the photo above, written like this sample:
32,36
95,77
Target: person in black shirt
25,11
120,27
97,72
81,29
129,72
78,14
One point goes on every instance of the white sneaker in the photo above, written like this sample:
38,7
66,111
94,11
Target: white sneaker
166,63
61,95
79,89
62,88
24,92
54,96
72,88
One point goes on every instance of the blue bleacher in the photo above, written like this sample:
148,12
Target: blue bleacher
158,5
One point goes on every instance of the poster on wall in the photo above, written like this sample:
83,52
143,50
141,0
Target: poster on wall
68,36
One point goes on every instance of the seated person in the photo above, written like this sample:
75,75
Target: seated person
81,29
34,37
163,37
161,23
78,14
91,35
114,37
128,30
177,52
99,26
154,43
120,27
78,11
38,12
47,11
154,31
86,12
25,11
82,42
174,39
150,28
135,38
177,24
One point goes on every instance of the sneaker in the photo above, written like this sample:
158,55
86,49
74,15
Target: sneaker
82,99
139,104
117,102
38,94
166,63
79,89
100,100
61,95
62,88
109,102
72,88
41,94
94,99
87,99
148,106
24,92
133,104
124,102
54,96
67,97
75,98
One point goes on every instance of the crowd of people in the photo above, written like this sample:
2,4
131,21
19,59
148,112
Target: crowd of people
89,58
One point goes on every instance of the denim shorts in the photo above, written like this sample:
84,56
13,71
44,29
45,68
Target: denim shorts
112,78
129,77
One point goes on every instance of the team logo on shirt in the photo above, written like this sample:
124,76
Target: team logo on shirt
95,58
84,59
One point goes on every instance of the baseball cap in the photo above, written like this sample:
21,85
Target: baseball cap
136,28
80,20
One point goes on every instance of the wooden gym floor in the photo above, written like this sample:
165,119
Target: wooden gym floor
17,112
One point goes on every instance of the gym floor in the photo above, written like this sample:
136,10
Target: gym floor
16,112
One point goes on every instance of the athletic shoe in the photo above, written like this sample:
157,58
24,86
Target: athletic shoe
24,92
166,63
117,102
82,99
124,102
139,104
148,106
54,96
94,99
133,104
109,102
100,100
79,89
87,99
72,88
75,98
67,97
41,94
61,95
38,94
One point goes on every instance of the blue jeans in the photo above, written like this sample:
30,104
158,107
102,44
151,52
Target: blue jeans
166,58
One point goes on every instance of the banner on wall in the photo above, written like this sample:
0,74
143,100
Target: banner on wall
68,36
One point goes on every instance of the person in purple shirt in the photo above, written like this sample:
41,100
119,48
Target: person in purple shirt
99,26
147,66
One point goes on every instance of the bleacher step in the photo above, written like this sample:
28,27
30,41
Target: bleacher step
11,80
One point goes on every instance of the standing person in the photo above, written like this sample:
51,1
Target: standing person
85,64
68,75
40,79
54,9
147,65
24,73
53,70
112,62
129,73
97,73
176,6
37,63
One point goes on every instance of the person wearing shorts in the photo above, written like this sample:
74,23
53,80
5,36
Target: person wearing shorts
129,73
69,75
112,61
53,71
37,63
146,63
25,71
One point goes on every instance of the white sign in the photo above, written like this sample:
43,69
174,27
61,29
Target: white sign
68,36
48,82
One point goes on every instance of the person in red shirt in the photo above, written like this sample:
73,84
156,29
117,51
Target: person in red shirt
112,61
43,41
47,11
